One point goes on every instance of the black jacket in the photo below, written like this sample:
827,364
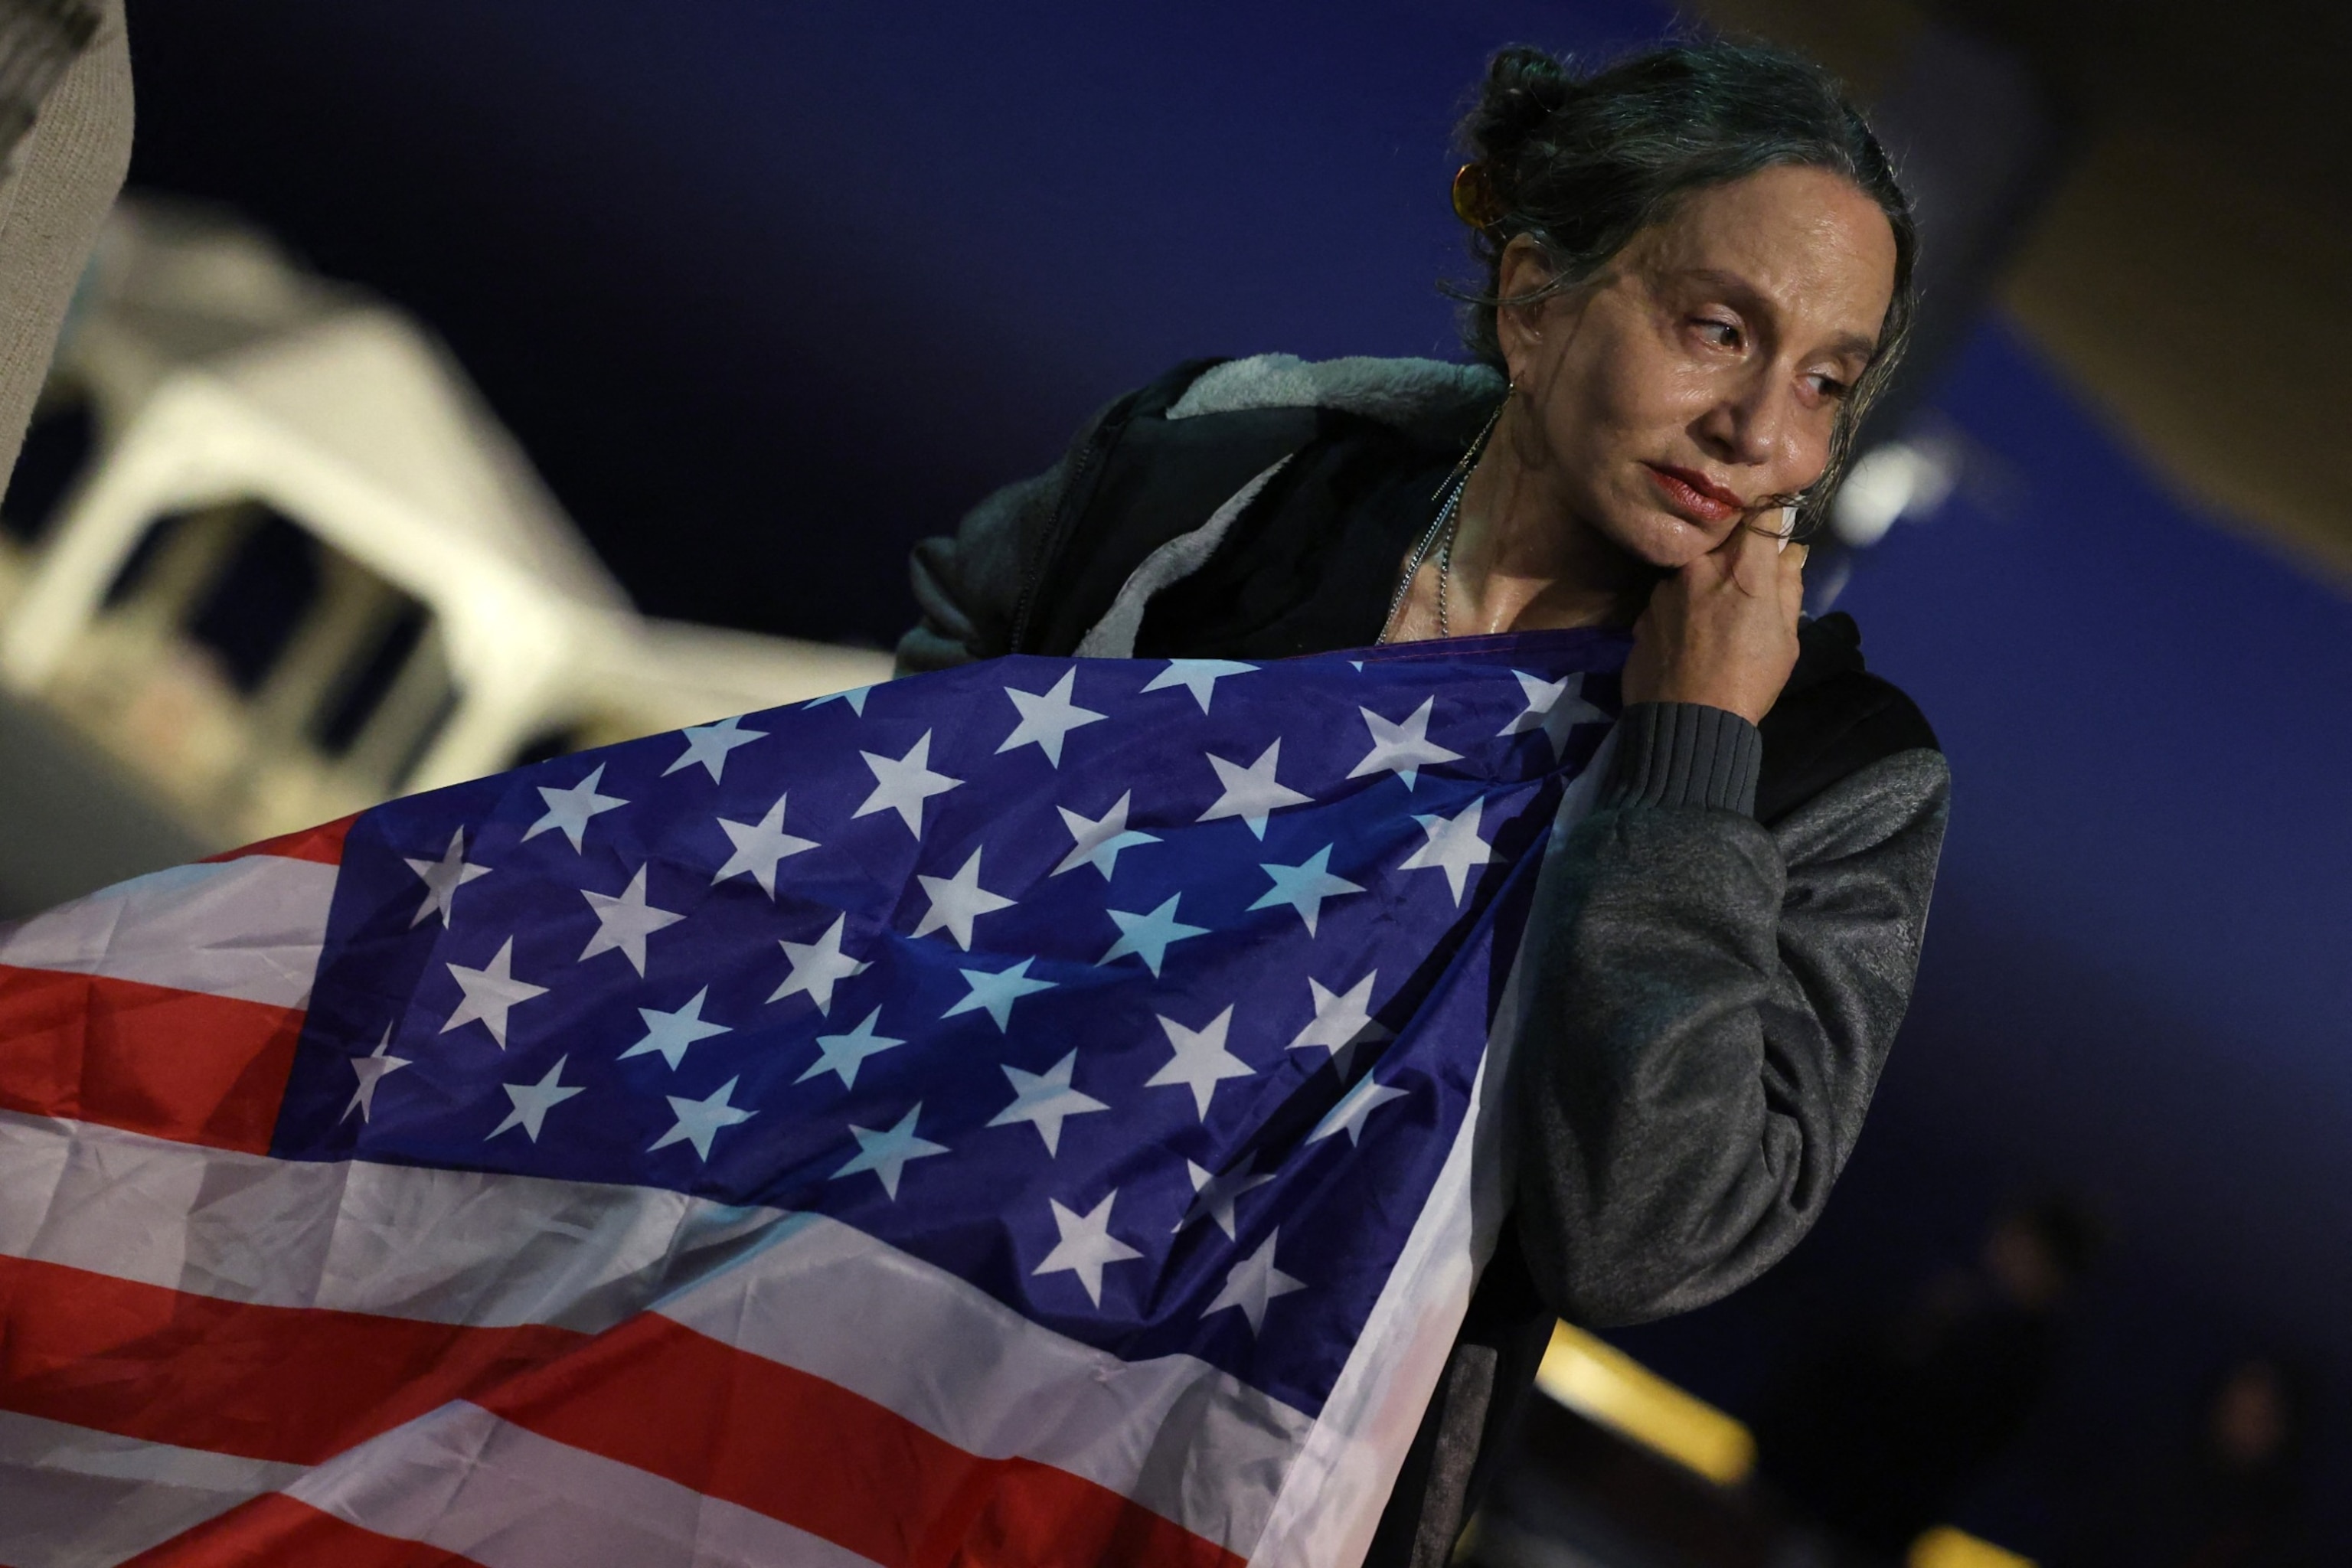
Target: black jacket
1724,947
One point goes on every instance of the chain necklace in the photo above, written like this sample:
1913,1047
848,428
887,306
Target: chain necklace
1439,535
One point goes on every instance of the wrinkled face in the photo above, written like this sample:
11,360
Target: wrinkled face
1702,371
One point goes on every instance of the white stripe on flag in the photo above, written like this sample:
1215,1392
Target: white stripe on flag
72,1498
444,1247
820,1296
462,1479
498,1250
251,929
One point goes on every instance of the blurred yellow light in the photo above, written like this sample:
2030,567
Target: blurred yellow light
1944,1547
1606,1385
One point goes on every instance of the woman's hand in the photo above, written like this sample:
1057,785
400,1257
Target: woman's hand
1723,630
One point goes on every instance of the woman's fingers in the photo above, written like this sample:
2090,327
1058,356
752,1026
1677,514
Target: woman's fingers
1792,567
1792,581
1722,631
1754,558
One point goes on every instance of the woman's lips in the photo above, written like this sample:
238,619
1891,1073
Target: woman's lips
1693,495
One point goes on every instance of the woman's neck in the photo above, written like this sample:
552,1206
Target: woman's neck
1524,560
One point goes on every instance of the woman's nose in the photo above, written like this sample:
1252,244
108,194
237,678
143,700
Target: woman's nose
1748,426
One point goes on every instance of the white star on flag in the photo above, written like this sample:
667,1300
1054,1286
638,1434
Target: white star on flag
1200,1061
1087,1246
569,809
372,1069
1099,843
623,923
1150,936
758,847
1047,717
1305,886
1553,709
1360,1100
670,1034
1453,846
1044,1100
903,783
490,993
1251,792
956,901
1253,1284
818,966
1342,1020
887,1153
532,1101
1402,749
996,992
1198,676
700,1121
709,743
443,878
841,1054
854,697
1214,1197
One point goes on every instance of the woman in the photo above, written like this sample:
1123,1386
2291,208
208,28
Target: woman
1698,270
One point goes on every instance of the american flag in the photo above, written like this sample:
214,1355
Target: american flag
1024,1114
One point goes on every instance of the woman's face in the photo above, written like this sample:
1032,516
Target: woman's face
1702,371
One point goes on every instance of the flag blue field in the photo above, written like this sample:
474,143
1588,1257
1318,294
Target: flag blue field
1031,1109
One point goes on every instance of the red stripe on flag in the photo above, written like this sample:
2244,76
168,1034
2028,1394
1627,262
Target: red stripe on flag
301,1385
275,1532
148,1058
795,1447
323,844
293,1383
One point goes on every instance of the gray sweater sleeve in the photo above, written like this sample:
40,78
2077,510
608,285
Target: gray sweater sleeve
1712,1002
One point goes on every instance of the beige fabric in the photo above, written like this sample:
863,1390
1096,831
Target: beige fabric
71,165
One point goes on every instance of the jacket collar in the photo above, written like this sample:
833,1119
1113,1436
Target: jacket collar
1425,397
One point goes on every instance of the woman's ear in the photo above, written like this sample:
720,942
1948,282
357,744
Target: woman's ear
1523,269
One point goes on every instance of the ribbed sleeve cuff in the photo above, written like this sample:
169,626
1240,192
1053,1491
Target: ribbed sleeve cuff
1685,753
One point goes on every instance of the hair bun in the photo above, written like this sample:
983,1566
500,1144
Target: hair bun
1524,87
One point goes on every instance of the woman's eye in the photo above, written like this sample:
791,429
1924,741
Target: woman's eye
1829,387
1717,334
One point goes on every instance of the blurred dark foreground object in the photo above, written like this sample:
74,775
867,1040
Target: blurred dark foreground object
65,125
38,39
72,819
1877,1433
68,822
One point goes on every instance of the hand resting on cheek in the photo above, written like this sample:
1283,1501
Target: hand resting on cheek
1722,630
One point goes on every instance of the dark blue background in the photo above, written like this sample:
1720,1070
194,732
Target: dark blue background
771,290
